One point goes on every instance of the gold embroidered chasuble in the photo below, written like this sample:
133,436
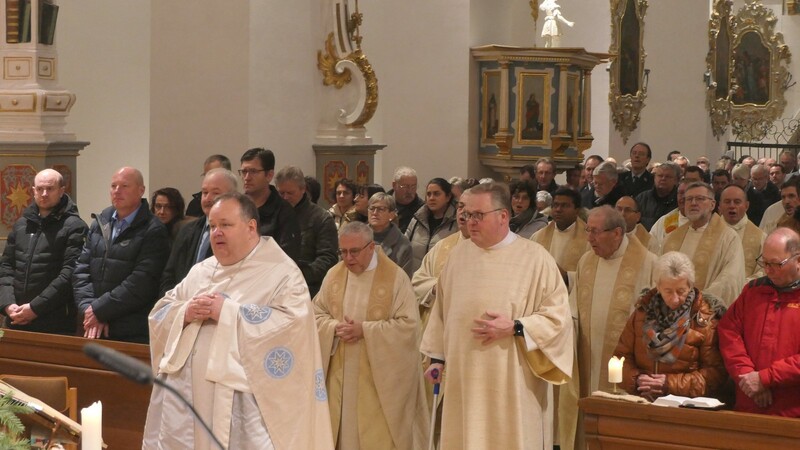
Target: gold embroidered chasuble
375,386
577,245
717,254
645,238
265,344
496,395
602,301
424,279
752,243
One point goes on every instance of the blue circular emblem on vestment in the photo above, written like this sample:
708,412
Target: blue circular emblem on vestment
255,314
161,313
279,362
319,386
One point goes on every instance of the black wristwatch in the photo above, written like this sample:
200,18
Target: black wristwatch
518,329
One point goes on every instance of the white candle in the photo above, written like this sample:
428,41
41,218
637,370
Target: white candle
92,427
615,369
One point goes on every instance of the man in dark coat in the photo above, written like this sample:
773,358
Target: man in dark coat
39,258
116,279
192,244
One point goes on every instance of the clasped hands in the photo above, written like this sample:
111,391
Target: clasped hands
20,314
92,327
651,386
750,384
349,331
497,326
203,307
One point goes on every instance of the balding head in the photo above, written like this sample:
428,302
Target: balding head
127,189
780,257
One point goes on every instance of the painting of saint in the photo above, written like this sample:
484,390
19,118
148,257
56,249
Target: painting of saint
491,93
533,107
629,51
751,70
722,61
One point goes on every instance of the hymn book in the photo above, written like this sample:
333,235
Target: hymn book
674,401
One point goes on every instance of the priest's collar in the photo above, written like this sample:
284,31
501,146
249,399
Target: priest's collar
373,263
568,229
510,237
701,229
738,225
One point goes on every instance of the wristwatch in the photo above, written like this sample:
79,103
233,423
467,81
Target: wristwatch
518,329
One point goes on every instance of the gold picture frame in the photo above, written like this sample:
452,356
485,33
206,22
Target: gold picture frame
757,71
627,81
533,124
490,94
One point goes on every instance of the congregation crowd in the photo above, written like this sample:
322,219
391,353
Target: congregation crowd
513,296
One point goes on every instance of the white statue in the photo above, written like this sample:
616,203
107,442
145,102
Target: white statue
550,31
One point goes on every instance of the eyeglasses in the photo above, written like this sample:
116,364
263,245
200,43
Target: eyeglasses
595,231
477,215
407,186
380,209
698,199
343,252
246,172
773,265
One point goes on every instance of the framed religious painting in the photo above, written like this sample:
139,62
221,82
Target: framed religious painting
490,94
573,104
532,123
627,81
747,71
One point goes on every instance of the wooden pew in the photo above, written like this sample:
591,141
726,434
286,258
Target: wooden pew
124,402
613,424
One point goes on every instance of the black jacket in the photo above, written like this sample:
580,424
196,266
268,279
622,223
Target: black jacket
406,212
653,207
635,187
37,265
183,254
320,243
195,207
120,279
278,219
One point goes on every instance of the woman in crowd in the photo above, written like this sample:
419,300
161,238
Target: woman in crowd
435,220
525,219
345,198
167,204
359,213
670,341
382,213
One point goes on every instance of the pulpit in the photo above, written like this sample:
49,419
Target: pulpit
534,103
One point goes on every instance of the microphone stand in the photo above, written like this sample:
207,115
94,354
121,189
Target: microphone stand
180,397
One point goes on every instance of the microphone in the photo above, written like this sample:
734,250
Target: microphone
141,373
121,363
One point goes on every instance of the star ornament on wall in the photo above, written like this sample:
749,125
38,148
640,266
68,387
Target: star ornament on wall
19,197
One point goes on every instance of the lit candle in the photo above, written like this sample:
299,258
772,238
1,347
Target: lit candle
615,369
92,427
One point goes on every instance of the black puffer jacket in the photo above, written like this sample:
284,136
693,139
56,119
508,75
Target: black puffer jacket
37,265
120,279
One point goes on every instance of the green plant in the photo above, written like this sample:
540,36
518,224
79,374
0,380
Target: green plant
11,428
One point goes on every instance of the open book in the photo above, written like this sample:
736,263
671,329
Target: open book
675,401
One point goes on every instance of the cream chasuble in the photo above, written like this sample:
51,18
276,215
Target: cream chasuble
645,238
717,254
772,215
566,246
256,375
496,395
668,223
752,242
602,308
424,279
375,385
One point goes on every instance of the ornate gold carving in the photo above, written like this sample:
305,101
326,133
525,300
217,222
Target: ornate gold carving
327,64
627,86
742,89
371,83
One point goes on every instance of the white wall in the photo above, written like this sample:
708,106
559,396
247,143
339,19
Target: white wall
104,58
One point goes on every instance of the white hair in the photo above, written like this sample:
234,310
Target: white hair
674,265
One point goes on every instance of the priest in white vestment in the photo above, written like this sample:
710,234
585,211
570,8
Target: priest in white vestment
608,282
629,209
714,248
237,338
733,209
368,326
501,330
565,236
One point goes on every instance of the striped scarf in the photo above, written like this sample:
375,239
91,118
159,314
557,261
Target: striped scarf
665,329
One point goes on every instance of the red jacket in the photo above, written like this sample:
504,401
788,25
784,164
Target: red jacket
761,331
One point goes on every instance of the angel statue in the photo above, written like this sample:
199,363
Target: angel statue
550,31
